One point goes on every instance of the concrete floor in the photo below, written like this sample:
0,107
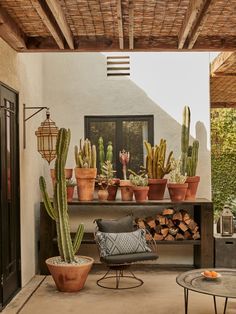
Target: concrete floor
159,295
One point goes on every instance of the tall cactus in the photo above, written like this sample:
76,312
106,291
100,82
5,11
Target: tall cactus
185,131
59,210
109,154
155,160
85,156
101,153
189,154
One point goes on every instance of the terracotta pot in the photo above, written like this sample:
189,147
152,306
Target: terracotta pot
68,174
177,191
126,190
112,189
70,277
102,195
85,178
156,189
192,187
140,193
70,193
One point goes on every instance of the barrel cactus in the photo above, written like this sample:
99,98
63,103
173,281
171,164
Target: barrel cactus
59,210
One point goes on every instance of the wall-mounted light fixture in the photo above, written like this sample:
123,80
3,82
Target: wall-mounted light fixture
46,133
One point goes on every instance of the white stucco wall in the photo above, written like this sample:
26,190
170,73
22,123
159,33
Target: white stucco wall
22,72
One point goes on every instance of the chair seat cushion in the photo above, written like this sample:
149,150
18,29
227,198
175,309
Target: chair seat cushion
124,224
129,258
122,243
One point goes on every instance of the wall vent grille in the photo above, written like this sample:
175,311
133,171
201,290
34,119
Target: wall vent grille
118,66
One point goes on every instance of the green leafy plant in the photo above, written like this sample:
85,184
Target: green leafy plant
106,178
138,179
175,175
59,211
70,182
156,165
85,155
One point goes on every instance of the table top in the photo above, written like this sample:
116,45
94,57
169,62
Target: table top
224,286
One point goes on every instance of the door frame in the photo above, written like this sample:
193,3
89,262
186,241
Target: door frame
18,213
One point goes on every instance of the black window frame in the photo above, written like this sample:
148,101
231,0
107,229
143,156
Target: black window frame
118,119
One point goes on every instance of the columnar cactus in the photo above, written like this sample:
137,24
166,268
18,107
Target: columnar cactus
59,210
109,154
101,153
155,160
86,156
189,154
192,159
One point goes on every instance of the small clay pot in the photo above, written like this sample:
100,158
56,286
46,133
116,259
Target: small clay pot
102,195
177,191
68,174
112,189
126,190
140,193
192,187
70,193
156,189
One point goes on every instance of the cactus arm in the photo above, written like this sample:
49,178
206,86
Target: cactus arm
76,152
185,131
109,154
46,200
149,154
78,238
101,153
94,157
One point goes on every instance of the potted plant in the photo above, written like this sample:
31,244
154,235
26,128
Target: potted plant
105,165
125,185
139,185
68,174
189,157
176,182
85,171
70,186
157,168
68,270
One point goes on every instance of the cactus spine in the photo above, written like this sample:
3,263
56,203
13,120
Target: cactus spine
85,156
59,210
155,161
189,154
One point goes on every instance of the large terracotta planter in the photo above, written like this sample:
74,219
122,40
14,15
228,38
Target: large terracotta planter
192,187
112,189
126,190
70,193
68,174
85,178
140,193
156,189
70,277
177,191
102,195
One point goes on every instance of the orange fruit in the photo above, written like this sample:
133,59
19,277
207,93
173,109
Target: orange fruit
214,274
207,273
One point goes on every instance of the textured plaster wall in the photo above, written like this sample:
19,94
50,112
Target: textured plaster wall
23,72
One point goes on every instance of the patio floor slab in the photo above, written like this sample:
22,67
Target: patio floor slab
159,294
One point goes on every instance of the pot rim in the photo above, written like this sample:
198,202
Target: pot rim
177,185
157,181
134,187
193,179
90,261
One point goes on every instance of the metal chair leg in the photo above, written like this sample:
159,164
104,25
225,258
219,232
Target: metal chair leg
215,307
186,300
226,301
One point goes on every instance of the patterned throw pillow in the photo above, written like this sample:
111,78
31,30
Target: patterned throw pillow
122,243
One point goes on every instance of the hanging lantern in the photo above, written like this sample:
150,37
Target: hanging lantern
226,222
47,138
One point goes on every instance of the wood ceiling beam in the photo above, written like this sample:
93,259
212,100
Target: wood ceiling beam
223,104
194,18
219,61
120,24
131,24
10,31
44,14
60,18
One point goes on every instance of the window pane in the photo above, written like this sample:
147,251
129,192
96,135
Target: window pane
134,133
106,129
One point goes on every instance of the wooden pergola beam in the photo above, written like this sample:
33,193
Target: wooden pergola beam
11,32
60,18
191,24
120,24
131,24
219,61
223,104
44,14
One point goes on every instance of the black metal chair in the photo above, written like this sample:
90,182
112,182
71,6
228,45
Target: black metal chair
119,264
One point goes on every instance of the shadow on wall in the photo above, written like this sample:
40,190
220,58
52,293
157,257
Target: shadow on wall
75,85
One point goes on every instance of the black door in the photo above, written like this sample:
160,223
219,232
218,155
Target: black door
9,193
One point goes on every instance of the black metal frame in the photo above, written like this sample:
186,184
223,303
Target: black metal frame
16,192
118,119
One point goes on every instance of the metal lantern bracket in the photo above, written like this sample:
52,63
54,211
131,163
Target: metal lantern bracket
39,109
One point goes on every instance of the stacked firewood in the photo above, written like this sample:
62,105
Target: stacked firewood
170,225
